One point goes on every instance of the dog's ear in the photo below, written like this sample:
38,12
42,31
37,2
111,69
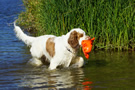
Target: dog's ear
73,39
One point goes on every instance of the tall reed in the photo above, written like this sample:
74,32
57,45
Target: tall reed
111,22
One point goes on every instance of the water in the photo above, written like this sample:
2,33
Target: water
104,70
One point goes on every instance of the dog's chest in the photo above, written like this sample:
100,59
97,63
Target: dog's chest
67,58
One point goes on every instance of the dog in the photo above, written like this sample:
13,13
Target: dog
53,50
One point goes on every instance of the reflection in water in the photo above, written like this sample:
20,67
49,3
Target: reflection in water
87,85
65,78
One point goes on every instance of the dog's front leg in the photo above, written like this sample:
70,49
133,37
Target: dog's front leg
53,64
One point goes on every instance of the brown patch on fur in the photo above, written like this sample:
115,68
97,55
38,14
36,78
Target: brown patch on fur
50,46
74,39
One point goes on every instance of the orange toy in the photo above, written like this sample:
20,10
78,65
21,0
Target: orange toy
87,46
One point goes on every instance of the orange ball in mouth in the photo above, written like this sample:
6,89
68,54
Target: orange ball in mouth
87,46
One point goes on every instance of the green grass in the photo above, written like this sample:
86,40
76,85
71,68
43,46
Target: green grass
111,22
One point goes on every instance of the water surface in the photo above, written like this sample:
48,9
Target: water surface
104,69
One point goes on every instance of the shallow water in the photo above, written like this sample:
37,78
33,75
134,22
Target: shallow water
104,70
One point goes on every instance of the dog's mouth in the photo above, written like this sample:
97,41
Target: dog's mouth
87,46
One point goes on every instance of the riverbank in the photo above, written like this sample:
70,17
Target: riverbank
109,21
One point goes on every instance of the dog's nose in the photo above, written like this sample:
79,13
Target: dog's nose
88,38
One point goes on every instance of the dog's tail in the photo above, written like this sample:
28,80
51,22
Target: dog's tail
22,36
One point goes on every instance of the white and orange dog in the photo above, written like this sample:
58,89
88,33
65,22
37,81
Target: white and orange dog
56,51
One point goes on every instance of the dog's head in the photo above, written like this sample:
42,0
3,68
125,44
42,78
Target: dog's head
76,36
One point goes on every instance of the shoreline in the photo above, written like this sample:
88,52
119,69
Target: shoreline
110,22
